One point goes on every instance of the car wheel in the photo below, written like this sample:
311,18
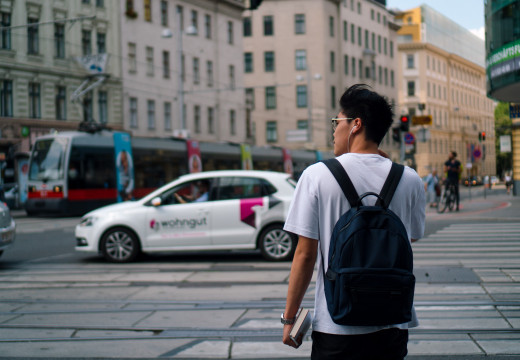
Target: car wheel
120,245
277,244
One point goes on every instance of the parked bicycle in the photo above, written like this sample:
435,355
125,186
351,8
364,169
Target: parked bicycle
448,199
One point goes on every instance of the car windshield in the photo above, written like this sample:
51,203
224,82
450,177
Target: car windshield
47,159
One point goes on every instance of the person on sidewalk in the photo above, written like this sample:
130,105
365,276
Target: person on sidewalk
509,182
318,203
453,170
432,185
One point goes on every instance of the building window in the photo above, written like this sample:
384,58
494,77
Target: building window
359,8
59,41
151,114
167,116
367,39
410,61
380,75
345,62
232,82
271,133
247,29
331,26
230,33
166,64
333,97
61,103
385,46
345,31
353,66
360,36
195,19
411,88
301,59
196,71
133,112
196,118
250,98
209,68
352,33
101,43
5,33
180,14
392,84
149,61
270,97
386,77
34,100
302,124
372,14
132,62
373,41
299,23
232,122
301,96
268,26
269,61
100,3
211,121
33,42
148,10
332,61
103,107
360,68
86,42
391,49
207,26
6,98
88,108
379,44
248,62
164,13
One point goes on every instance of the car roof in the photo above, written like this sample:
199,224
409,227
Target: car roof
242,173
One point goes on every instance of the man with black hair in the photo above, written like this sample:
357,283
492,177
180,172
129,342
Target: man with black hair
318,203
453,169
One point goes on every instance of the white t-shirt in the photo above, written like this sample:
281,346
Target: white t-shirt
319,202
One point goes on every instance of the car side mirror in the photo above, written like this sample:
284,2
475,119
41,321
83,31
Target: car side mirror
156,201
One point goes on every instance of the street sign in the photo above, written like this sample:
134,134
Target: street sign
409,139
477,153
505,143
422,120
297,135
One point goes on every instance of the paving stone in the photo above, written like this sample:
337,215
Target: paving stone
15,333
460,323
240,276
425,347
111,333
78,319
266,350
206,319
498,347
206,350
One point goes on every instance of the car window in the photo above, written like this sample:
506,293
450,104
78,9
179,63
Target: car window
230,188
190,191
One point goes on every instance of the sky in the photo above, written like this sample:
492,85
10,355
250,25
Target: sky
467,13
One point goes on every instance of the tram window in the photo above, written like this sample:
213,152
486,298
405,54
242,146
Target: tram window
48,158
91,168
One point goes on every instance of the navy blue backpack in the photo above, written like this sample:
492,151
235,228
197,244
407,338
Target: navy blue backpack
369,280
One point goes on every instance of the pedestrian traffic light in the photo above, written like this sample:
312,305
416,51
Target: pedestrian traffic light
396,134
483,136
405,123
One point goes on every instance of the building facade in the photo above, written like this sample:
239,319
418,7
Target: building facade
299,57
445,77
41,78
503,66
184,52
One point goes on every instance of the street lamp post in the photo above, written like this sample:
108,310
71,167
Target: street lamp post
167,33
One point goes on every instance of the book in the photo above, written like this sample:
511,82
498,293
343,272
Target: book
301,326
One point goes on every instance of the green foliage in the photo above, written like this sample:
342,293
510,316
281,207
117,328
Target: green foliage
502,127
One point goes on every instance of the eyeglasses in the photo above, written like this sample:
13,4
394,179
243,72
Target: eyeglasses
335,122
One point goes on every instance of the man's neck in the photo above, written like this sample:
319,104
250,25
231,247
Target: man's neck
365,147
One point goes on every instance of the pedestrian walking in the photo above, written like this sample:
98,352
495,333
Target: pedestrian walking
433,188
509,182
453,169
318,203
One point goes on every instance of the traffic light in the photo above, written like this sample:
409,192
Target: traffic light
396,134
483,136
404,123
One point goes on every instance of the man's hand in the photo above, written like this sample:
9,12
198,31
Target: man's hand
287,340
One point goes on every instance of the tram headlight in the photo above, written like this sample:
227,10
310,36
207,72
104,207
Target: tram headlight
88,221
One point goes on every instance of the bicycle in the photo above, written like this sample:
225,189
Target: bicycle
448,199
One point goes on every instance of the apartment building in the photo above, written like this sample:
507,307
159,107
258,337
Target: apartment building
42,68
444,76
183,52
299,57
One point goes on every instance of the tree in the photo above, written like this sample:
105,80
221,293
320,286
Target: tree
502,127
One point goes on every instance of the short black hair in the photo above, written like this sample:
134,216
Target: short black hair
454,154
359,101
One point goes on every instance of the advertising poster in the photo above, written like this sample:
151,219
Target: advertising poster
124,166
194,160
23,175
247,158
287,161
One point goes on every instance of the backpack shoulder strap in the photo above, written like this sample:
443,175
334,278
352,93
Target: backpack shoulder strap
390,185
343,180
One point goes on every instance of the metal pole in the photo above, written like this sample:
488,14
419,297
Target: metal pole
180,93
309,104
402,134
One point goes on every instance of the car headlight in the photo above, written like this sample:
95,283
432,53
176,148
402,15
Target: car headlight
88,221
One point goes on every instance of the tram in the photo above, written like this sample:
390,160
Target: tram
74,172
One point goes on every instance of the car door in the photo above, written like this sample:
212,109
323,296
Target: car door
235,218
180,224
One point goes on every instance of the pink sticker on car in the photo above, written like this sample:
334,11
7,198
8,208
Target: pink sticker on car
247,214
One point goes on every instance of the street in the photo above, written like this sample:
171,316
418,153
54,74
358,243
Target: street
55,303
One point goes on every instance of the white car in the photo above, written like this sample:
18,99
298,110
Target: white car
240,210
7,228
